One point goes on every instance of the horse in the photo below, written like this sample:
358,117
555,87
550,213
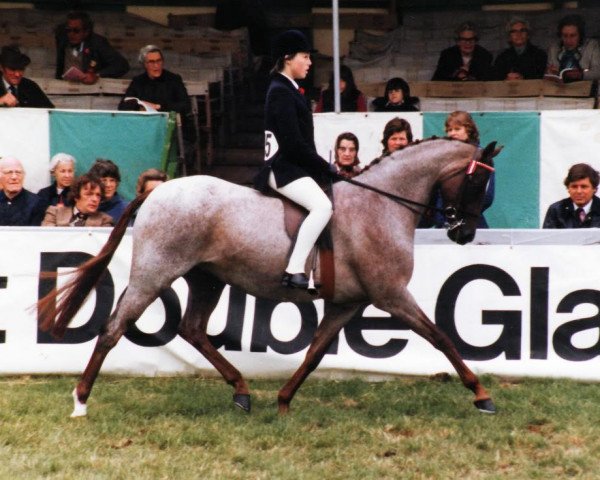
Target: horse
212,233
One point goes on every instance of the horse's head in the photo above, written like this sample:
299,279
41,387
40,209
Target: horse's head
463,195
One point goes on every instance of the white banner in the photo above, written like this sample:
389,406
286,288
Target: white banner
514,302
24,134
567,137
368,127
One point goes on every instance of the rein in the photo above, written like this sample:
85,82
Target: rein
408,203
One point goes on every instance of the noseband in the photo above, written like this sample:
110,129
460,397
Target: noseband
468,189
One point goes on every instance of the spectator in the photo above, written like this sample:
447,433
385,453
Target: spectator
18,206
112,203
582,207
15,89
62,168
157,88
396,98
466,60
160,90
396,134
86,196
459,125
149,180
351,98
346,155
521,60
574,52
78,46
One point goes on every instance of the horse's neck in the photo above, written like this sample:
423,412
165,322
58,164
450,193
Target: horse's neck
405,175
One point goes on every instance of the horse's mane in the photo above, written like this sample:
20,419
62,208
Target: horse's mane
411,144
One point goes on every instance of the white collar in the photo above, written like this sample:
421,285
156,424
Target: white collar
291,80
586,208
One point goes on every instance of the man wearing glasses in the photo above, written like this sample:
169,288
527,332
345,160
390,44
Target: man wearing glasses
466,60
85,56
18,207
521,60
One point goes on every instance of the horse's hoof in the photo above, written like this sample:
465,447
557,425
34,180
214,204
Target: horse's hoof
242,400
485,406
79,409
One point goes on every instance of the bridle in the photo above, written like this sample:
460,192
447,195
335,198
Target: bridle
450,212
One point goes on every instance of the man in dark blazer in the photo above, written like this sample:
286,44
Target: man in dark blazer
15,89
466,60
78,46
582,208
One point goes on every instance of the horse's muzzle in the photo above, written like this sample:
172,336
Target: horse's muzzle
460,233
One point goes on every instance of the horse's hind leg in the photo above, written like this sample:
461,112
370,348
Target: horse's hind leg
412,314
336,316
204,293
130,307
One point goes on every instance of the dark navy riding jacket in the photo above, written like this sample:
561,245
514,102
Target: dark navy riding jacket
290,150
562,214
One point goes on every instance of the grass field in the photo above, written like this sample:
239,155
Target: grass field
409,428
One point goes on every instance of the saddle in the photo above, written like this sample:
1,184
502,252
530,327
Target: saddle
324,272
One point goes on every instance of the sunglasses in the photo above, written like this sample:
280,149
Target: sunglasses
73,30
467,39
519,30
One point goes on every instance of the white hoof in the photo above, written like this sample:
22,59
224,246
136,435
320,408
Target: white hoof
79,409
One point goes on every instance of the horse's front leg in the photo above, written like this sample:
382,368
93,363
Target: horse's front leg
336,316
415,318
129,308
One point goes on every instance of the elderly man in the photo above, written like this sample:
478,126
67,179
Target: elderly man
85,52
15,89
466,60
521,60
62,168
582,208
87,194
574,54
18,206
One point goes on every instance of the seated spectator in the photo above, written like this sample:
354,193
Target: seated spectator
396,134
160,90
466,60
62,168
346,155
91,54
574,51
521,60
459,125
112,203
396,98
86,196
157,88
351,98
15,89
149,180
18,206
581,209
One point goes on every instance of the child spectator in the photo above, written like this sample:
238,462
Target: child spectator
396,98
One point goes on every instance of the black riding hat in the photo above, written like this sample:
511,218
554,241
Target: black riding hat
11,57
289,43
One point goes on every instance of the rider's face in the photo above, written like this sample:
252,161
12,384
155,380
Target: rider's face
297,67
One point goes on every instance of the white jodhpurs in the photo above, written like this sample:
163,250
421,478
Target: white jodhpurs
308,194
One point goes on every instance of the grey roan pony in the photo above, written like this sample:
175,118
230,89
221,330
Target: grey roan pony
212,233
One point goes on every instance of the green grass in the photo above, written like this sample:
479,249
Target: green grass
409,428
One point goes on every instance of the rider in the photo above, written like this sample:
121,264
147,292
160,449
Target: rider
293,167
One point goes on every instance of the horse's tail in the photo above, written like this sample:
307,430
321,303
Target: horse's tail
57,314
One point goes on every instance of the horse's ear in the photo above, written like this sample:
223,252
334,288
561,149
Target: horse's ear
490,151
